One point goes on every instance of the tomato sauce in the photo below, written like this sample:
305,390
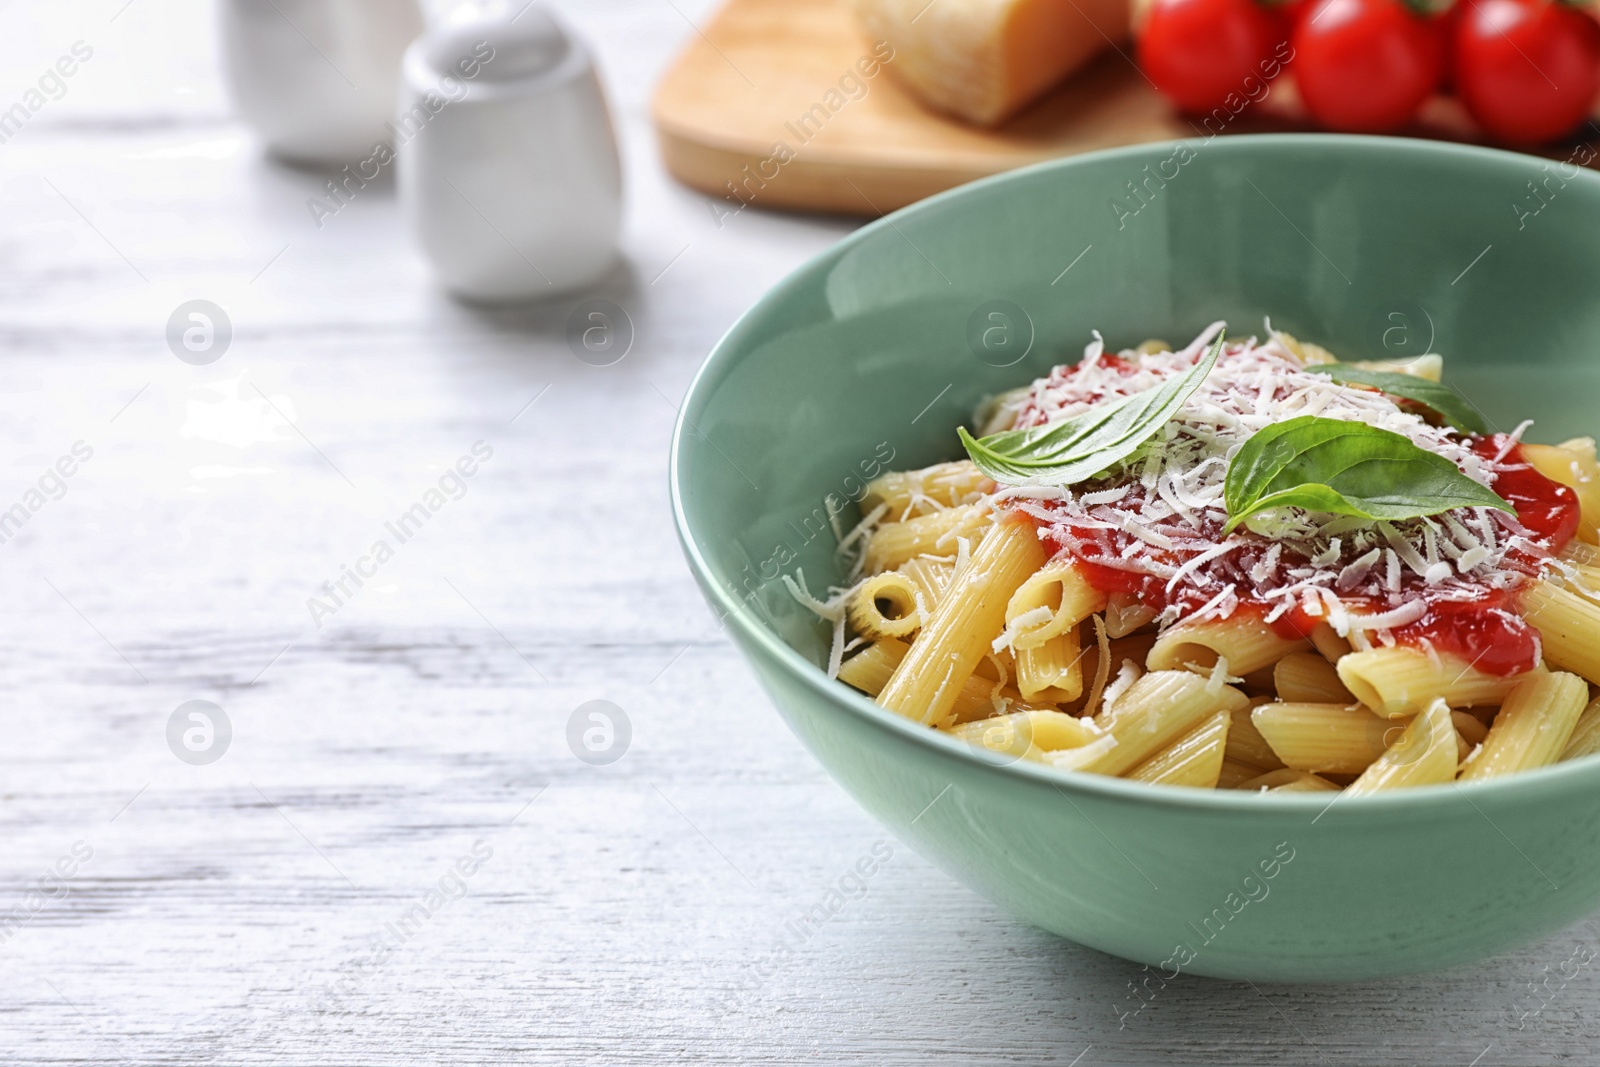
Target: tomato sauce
1486,629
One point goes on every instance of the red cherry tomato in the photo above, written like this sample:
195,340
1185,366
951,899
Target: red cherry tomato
1201,52
1528,70
1365,66
1295,10
1449,19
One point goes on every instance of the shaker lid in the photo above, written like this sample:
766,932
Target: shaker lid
526,40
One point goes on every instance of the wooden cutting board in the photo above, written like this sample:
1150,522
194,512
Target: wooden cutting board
728,115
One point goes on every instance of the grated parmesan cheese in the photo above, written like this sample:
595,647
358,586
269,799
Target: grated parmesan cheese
1158,516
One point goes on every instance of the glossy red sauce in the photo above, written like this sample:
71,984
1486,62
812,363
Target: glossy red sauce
1487,630
1491,632
1545,507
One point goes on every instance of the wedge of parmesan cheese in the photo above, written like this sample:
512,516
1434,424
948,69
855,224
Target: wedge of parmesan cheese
984,59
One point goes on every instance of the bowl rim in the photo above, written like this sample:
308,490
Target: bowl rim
1526,786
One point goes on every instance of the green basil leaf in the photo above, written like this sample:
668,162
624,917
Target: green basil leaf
1347,468
1067,452
1451,405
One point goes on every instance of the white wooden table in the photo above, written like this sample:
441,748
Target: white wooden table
237,912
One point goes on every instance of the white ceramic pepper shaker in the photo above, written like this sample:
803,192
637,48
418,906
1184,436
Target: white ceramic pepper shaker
507,163
316,78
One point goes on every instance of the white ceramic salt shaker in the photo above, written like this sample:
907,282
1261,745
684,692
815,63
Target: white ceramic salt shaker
316,79
512,185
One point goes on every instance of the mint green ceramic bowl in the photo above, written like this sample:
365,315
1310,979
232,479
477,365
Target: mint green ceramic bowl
861,359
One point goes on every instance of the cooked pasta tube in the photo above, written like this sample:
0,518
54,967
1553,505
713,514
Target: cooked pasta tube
1000,412
1585,739
976,700
1569,626
870,670
1581,553
1572,463
1125,615
1308,353
1052,671
1245,743
1195,759
1470,727
1016,732
931,576
1155,711
1247,645
1425,754
1327,642
961,629
922,491
997,666
1136,648
1533,727
886,606
1399,682
1584,581
1429,366
1323,738
1289,780
1051,602
1307,678
1234,774
936,534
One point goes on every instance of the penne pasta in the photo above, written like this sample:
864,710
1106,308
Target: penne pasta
1307,678
1234,774
1533,727
1569,626
1135,648
1429,366
1584,581
936,534
1328,643
1056,598
1310,354
1288,780
886,606
1052,671
1400,682
1157,710
1585,739
1130,574
1470,727
911,493
1021,732
931,576
1323,738
870,670
1245,743
997,666
1246,646
1126,616
1580,553
1572,463
1424,754
1195,759
961,629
